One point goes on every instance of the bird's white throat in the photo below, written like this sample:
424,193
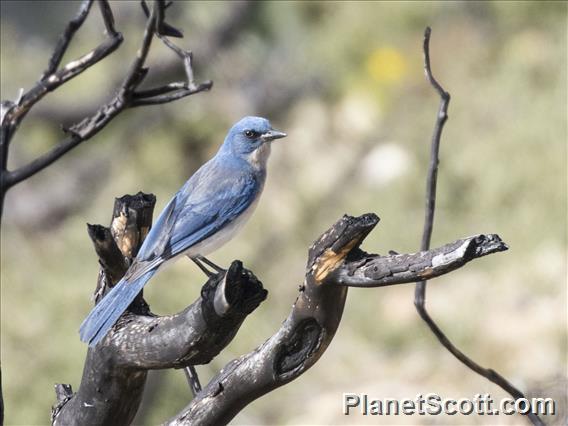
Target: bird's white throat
259,156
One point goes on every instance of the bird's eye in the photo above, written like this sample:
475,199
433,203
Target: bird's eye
251,134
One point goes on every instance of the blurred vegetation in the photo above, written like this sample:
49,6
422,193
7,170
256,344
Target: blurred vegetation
345,81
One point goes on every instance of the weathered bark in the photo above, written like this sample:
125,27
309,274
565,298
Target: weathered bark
335,262
371,270
115,370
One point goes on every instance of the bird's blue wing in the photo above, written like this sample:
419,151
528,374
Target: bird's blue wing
158,237
207,203
204,216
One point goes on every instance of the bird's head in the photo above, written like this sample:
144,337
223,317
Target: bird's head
251,137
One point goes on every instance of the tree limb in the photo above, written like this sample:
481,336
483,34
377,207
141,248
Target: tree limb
420,292
364,270
52,78
125,97
316,314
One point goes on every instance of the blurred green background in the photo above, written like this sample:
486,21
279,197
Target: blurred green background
345,81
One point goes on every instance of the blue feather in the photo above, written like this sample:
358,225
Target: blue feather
110,308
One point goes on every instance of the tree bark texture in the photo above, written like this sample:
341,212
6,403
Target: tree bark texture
335,262
115,370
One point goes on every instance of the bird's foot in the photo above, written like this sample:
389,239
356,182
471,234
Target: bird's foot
199,260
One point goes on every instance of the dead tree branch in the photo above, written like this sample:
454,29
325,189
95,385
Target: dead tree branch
115,370
335,263
420,293
372,270
51,79
126,96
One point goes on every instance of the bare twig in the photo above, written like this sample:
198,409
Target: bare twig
162,99
192,379
420,292
108,17
126,95
65,39
432,177
52,78
172,91
137,72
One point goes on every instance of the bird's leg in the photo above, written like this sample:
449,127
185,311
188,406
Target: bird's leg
198,259
210,264
203,268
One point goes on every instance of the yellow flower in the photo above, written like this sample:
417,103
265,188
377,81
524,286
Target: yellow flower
386,65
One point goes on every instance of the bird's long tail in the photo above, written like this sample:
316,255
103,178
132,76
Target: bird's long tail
110,308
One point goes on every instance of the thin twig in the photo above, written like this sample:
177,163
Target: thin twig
163,94
434,155
192,379
172,91
168,88
163,99
186,56
79,134
52,78
108,17
137,72
420,292
66,37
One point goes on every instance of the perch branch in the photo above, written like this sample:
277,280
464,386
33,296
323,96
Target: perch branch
333,260
420,292
193,336
115,370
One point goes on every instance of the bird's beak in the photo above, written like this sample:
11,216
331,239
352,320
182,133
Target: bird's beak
272,134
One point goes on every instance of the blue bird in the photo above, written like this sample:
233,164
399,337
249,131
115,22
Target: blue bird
203,215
